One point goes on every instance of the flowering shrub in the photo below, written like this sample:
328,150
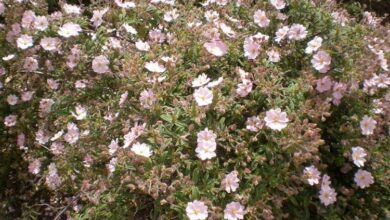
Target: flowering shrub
220,109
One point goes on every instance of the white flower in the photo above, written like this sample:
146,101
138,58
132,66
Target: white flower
130,29
196,210
234,211
367,124
72,9
278,4
230,182
141,149
81,112
312,175
215,83
69,29
24,41
142,46
125,4
100,64
203,96
313,45
276,119
363,178
358,156
327,195
201,80
261,19
155,67
57,135
321,61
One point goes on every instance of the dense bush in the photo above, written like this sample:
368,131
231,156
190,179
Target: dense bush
192,110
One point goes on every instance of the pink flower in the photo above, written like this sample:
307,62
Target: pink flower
41,23
2,8
234,211
196,210
69,30
28,19
338,92
358,156
216,47
261,19
206,144
251,48
10,120
97,17
281,33
367,124
100,64
297,32
50,43
135,132
244,88
27,96
24,41
45,105
363,178
276,119
254,124
53,180
156,35
230,182
155,67
12,99
35,166
80,113
324,84
72,136
327,195
147,99
57,148
312,175
278,4
30,64
53,84
273,55
113,147
203,96
321,61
